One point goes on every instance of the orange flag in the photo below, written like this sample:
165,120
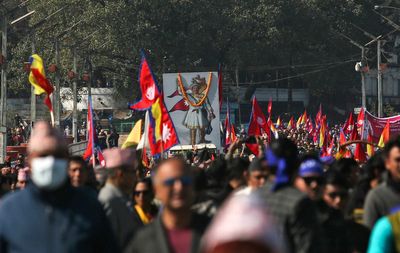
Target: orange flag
385,135
370,148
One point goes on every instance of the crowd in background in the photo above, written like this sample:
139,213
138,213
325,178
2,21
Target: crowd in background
286,199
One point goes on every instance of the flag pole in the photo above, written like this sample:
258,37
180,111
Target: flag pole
52,117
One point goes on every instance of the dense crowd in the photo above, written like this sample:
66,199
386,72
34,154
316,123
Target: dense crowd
286,199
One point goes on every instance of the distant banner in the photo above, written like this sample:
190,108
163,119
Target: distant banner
193,102
375,125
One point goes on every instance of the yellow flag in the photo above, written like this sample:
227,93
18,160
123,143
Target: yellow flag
134,136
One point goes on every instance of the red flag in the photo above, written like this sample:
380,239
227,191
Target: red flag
258,123
330,148
291,124
354,135
270,107
309,126
148,87
101,159
359,154
360,123
228,137
233,133
174,94
162,134
253,147
318,117
342,138
182,105
89,152
349,124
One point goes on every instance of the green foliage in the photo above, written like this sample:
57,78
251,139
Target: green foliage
188,35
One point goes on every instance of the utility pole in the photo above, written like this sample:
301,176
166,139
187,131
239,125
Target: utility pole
91,81
363,92
74,101
380,98
237,94
33,95
3,101
57,102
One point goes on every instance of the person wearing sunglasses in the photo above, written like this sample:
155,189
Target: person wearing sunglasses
310,179
143,196
177,228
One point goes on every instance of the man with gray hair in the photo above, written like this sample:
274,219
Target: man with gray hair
50,215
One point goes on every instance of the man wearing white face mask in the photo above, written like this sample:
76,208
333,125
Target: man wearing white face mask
50,215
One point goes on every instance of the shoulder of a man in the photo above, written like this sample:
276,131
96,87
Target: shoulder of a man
141,243
376,195
288,196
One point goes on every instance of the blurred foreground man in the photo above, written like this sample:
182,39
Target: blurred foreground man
115,195
293,211
50,215
177,230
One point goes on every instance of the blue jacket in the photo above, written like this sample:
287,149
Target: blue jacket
66,220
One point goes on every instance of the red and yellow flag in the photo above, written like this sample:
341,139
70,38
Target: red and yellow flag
37,77
385,135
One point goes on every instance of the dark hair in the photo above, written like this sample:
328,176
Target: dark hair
334,177
236,168
390,145
147,181
286,149
345,166
78,159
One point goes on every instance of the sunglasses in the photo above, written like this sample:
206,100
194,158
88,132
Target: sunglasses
334,195
185,181
259,177
309,180
137,193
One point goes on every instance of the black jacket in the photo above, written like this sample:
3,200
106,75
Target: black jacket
153,238
295,215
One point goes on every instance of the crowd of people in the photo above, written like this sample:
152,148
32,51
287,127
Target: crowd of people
285,199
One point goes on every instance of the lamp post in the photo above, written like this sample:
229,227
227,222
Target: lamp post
3,100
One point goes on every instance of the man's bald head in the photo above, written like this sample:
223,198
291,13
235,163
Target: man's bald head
46,140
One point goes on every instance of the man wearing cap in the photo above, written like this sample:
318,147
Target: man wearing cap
121,170
177,229
50,215
310,178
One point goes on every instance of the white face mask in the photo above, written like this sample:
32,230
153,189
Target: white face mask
48,172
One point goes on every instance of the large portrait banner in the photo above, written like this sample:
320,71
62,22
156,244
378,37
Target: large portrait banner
193,103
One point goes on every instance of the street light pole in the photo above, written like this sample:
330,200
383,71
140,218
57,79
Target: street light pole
33,95
74,102
363,92
380,108
3,100
57,101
